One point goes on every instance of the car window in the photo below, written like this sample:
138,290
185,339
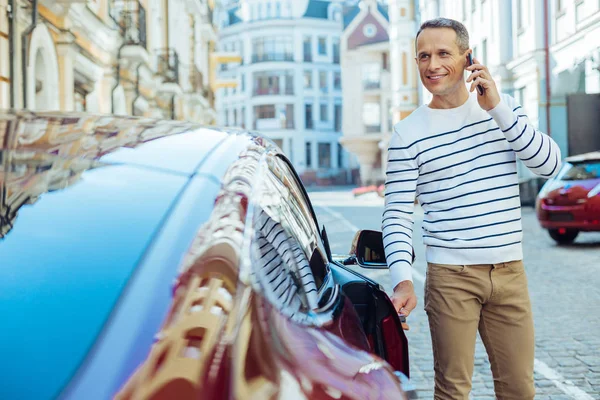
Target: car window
300,209
287,261
580,171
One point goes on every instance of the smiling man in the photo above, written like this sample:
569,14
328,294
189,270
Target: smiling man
457,157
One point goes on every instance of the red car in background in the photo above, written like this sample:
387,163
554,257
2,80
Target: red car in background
570,202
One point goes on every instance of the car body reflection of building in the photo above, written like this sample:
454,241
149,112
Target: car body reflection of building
44,152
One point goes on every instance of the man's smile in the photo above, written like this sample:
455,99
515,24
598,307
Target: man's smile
435,77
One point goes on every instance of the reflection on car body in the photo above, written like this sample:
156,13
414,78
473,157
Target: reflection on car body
199,273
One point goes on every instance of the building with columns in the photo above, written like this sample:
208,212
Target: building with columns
136,57
288,83
379,79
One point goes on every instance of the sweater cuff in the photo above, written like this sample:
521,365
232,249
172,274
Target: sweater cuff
503,115
400,272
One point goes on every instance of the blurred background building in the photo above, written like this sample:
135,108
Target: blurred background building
379,78
288,82
137,57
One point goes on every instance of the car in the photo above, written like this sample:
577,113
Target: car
570,202
149,259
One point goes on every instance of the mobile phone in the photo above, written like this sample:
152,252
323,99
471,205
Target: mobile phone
480,88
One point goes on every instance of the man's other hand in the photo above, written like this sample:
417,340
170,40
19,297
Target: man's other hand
404,298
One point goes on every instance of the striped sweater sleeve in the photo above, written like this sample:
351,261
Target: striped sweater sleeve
397,222
537,150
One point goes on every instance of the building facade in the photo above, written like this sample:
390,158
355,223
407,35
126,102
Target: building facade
525,41
135,57
379,79
288,82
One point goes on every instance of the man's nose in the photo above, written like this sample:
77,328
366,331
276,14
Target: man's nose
434,63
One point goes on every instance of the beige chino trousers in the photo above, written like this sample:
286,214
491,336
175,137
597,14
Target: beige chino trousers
494,300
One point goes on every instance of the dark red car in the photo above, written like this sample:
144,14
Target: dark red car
570,202
145,259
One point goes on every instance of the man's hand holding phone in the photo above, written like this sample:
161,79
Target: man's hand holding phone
481,77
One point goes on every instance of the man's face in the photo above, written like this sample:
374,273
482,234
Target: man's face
441,63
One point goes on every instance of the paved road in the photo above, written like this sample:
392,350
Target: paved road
564,283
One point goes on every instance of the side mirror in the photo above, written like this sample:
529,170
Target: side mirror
367,250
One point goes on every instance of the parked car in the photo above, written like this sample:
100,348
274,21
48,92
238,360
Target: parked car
146,259
570,202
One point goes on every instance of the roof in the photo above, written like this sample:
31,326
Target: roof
349,14
383,10
592,156
233,17
317,9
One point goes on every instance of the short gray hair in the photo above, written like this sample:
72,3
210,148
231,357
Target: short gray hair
462,35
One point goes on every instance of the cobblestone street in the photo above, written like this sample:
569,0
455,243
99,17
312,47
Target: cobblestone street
564,285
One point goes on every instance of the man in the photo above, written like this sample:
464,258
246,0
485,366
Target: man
457,156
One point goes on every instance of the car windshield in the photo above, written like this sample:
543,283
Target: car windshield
580,171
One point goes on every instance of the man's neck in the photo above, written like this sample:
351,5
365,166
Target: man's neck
451,100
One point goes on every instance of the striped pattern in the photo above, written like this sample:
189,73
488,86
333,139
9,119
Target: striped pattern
460,164
284,275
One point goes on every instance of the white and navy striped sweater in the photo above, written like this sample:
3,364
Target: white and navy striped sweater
460,163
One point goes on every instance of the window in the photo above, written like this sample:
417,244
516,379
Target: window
80,98
243,82
521,15
226,117
277,10
337,115
484,57
308,116
371,74
287,253
235,117
473,5
336,50
464,10
323,113
307,79
340,154
260,16
323,81
264,112
337,80
324,155
243,118
372,117
322,46
308,150
307,47
384,61
273,83
272,49
268,10
287,117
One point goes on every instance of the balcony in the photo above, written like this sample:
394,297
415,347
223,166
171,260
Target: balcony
273,91
371,84
372,128
130,17
256,58
168,65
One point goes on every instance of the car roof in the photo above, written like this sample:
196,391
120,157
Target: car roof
592,156
176,146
